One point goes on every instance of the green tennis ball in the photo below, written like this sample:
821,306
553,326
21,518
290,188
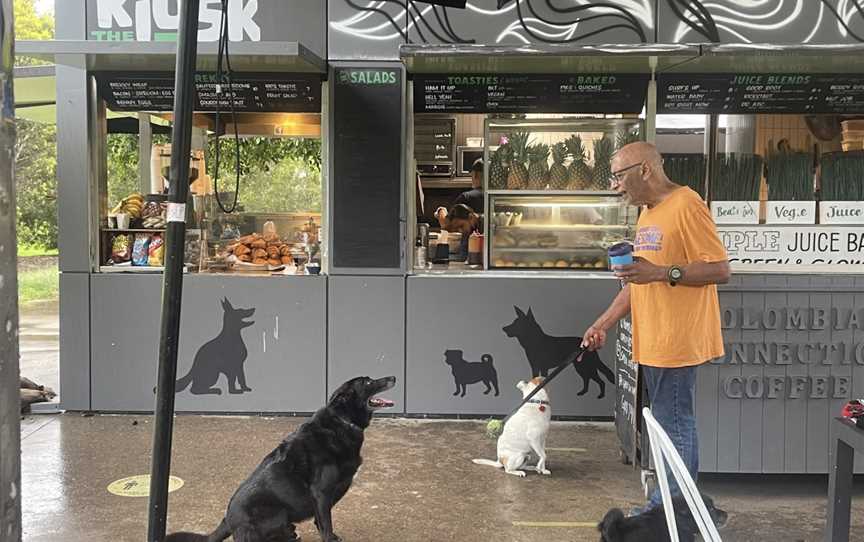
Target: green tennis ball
494,428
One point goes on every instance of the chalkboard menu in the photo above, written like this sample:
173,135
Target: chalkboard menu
760,93
627,386
367,167
530,93
252,92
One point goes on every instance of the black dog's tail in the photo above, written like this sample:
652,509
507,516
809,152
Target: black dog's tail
184,382
221,533
486,358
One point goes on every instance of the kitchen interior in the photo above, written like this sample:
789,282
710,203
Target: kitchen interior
545,190
267,223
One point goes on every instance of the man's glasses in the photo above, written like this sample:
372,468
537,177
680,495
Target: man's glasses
618,176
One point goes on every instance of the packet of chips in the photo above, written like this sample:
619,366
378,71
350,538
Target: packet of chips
157,251
121,249
140,250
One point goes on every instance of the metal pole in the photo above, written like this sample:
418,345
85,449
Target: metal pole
172,287
10,406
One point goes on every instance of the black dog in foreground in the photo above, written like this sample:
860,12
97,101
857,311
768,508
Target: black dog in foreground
651,526
306,475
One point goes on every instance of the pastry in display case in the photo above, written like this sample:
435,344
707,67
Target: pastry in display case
562,231
560,154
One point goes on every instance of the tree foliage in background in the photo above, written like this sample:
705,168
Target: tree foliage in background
29,25
36,183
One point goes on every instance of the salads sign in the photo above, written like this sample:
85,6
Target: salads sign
839,248
158,20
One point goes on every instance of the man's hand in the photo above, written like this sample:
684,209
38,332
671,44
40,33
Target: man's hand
641,271
594,338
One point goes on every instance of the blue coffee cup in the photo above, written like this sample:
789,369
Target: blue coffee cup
620,254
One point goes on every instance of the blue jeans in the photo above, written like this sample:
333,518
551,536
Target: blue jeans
671,393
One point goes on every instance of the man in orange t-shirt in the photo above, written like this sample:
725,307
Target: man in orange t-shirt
670,292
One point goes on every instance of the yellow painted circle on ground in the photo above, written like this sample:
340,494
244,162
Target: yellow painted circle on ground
139,486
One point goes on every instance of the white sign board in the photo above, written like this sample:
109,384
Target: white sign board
834,249
735,212
791,212
841,212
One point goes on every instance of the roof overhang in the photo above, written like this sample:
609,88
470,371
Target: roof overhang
292,57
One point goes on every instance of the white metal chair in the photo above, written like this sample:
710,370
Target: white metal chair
663,451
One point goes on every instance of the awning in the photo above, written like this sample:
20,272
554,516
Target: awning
280,56
35,93
545,58
639,58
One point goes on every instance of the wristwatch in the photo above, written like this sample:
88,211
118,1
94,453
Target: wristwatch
674,275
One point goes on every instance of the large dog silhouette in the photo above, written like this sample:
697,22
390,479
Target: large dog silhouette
545,352
226,354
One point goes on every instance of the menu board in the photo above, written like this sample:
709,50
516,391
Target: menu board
530,93
760,93
367,168
627,386
251,92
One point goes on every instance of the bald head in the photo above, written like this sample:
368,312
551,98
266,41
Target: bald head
639,151
639,175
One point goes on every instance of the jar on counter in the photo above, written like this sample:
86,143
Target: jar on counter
475,249
420,256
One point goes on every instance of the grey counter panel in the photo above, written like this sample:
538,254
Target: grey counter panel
366,332
469,313
786,433
74,341
285,367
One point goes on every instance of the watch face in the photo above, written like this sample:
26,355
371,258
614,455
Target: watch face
675,273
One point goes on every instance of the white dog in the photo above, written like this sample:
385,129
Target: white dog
524,433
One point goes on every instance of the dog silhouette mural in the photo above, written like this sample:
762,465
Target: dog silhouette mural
545,352
226,354
468,372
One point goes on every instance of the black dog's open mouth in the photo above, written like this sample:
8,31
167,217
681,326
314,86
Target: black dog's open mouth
377,402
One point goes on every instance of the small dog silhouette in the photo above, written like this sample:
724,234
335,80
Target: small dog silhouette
225,354
545,352
465,372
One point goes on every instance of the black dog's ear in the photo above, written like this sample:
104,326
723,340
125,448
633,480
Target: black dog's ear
530,313
609,527
519,312
226,305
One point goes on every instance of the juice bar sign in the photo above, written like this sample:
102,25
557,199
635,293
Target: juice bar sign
760,93
158,20
837,248
797,354
534,93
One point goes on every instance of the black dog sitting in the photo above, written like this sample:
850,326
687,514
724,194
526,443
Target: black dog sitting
465,372
306,475
651,525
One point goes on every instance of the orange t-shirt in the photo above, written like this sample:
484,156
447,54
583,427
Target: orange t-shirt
676,326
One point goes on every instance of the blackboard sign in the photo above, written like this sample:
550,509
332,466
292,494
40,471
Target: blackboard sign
627,386
252,92
367,167
530,93
760,93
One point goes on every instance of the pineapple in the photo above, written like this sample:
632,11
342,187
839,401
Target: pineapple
579,172
558,173
517,179
626,137
603,151
498,168
538,166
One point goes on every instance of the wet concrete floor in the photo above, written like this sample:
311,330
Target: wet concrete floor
417,483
